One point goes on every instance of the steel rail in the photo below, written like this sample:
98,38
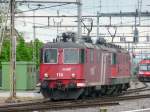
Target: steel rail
71,104
47,104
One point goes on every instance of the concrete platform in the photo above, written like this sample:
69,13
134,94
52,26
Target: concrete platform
31,94
21,95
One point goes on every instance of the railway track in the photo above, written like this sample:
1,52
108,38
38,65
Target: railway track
47,104
141,89
17,107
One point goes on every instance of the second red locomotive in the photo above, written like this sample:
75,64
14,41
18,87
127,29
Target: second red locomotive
144,70
72,70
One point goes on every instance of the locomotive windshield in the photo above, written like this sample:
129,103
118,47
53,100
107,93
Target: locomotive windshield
50,56
71,56
144,67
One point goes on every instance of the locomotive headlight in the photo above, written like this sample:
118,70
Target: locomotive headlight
46,75
73,75
141,72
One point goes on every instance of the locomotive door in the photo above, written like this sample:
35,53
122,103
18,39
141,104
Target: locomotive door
103,67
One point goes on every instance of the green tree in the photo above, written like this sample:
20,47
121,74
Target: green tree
36,46
5,53
22,53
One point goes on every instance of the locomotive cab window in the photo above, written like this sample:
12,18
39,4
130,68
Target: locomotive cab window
50,56
114,61
148,67
143,67
71,56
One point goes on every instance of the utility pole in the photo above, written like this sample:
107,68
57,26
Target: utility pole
13,52
57,23
98,15
12,97
34,37
79,18
97,24
139,10
34,46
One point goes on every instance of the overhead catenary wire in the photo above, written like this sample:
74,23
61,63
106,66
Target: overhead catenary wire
40,8
29,22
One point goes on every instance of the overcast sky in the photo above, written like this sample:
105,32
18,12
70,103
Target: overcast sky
89,7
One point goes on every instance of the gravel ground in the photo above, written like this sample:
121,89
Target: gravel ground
124,106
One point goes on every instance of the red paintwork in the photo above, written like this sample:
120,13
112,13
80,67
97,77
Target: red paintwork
120,70
90,74
62,72
144,73
114,71
57,71
145,62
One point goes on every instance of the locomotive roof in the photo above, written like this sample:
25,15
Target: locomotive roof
111,47
145,61
63,45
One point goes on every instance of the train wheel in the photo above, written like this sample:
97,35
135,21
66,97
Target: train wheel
103,90
110,90
45,93
119,89
93,94
125,87
115,90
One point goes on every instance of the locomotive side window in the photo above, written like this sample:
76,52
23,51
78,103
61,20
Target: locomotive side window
99,57
71,56
114,61
50,56
82,56
91,55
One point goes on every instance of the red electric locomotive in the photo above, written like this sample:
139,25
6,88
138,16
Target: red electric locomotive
144,70
72,70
